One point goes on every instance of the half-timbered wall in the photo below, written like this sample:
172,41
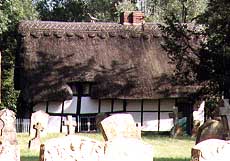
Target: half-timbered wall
153,115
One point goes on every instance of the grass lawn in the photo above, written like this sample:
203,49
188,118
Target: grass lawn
164,147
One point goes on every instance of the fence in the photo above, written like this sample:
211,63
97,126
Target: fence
86,124
22,125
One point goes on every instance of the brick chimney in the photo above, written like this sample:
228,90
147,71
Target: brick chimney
132,18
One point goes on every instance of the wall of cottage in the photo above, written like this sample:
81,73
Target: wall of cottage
153,115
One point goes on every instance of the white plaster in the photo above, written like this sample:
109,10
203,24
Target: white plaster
167,104
89,105
54,124
150,105
118,105
133,105
136,116
55,107
166,123
70,106
40,106
150,121
105,105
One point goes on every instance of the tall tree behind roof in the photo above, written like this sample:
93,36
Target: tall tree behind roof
209,61
11,12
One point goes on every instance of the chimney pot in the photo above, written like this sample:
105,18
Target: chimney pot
132,18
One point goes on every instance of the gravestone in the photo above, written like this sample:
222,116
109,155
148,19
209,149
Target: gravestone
211,150
70,124
9,149
123,139
35,142
119,125
72,148
211,129
123,144
42,118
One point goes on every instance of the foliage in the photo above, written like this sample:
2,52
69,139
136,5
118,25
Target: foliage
124,6
201,53
61,10
183,10
11,12
75,10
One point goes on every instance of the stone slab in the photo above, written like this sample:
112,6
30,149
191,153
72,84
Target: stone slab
72,148
123,149
119,125
34,144
39,117
211,150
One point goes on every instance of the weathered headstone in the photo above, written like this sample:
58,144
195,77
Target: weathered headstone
42,118
211,150
123,140
124,143
9,149
72,148
119,125
211,129
70,124
35,142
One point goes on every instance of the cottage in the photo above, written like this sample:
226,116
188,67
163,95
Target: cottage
82,69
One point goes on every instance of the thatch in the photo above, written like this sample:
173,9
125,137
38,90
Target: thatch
121,61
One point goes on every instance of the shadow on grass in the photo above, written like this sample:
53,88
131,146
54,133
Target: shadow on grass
171,159
153,135
29,158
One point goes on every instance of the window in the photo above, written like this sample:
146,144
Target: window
80,88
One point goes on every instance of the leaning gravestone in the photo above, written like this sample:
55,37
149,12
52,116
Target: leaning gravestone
9,149
35,142
211,150
119,125
211,129
42,118
124,140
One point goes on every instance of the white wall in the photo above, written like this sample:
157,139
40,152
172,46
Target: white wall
105,105
150,105
54,124
118,105
89,105
136,116
166,123
40,106
167,104
150,121
55,107
133,105
70,106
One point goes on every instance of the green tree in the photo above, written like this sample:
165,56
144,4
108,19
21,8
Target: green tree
183,10
75,10
61,10
201,51
11,12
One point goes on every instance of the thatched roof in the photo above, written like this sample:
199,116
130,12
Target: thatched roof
121,61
